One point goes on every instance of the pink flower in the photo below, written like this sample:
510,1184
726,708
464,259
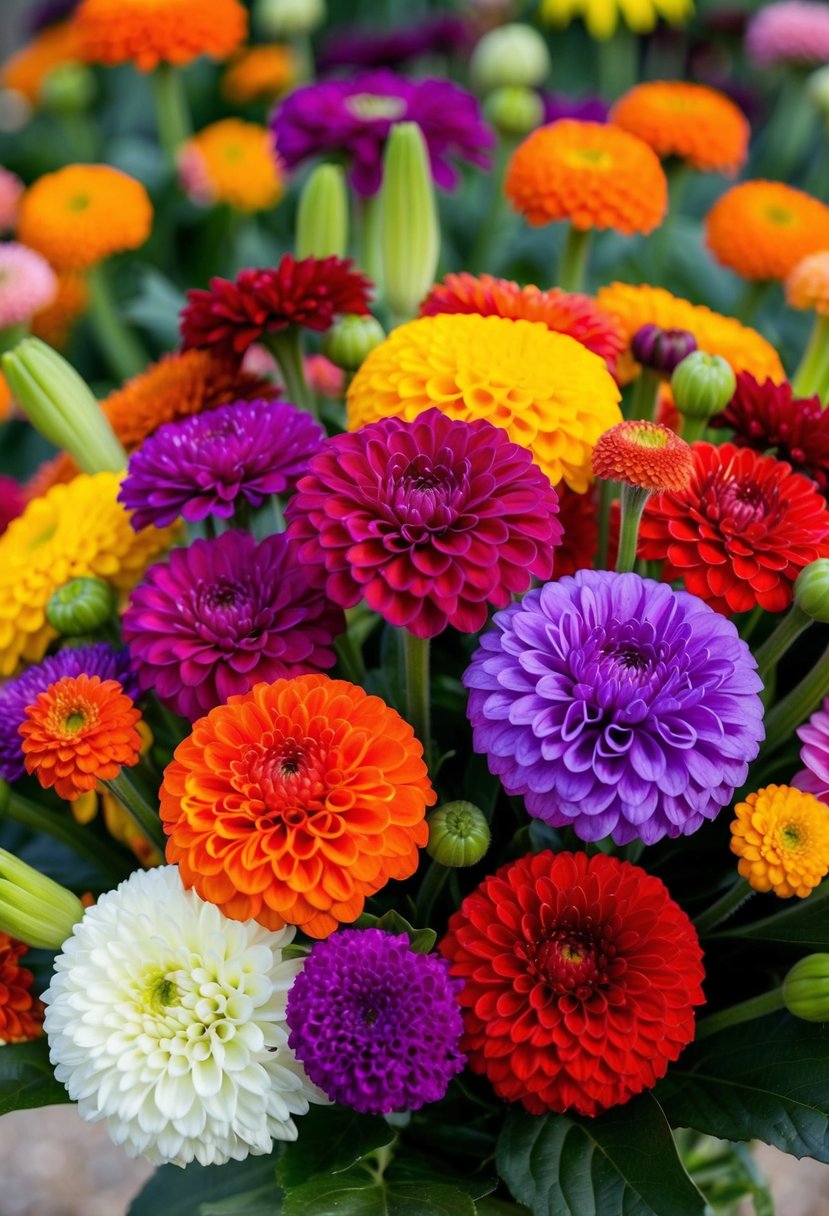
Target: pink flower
27,284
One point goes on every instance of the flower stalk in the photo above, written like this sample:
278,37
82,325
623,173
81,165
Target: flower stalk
746,1011
573,262
171,109
121,348
725,906
135,804
812,375
286,348
803,700
633,504
416,667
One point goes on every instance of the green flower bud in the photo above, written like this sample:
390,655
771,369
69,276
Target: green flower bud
513,110
806,989
322,215
458,834
80,606
351,339
702,385
513,54
289,18
33,908
61,406
817,89
68,89
811,590
409,226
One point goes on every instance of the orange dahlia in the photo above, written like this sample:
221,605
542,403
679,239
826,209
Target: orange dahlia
53,324
148,32
293,803
807,286
231,162
634,306
591,173
691,121
26,71
81,214
259,73
761,229
21,1013
78,732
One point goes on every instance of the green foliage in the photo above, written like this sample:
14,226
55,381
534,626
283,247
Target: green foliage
358,1192
331,1139
803,923
26,1077
239,1188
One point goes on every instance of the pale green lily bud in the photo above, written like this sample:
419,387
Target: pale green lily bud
702,385
811,590
409,225
514,54
81,606
33,908
289,18
806,989
61,406
351,339
458,834
514,111
68,89
322,215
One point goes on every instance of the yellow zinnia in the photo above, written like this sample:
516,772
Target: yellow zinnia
602,16
781,836
76,530
547,391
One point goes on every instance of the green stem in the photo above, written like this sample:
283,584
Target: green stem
135,804
750,300
39,819
795,708
12,335
122,349
350,658
644,397
368,229
607,494
693,429
633,504
486,246
573,260
430,889
746,1011
788,629
750,623
810,376
286,349
618,62
416,663
171,110
724,907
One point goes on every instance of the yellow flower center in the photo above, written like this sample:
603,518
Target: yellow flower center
647,438
781,216
589,158
78,202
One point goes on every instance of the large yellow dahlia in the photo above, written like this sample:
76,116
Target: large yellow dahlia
547,391
74,531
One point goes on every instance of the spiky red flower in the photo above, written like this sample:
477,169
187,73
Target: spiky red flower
580,979
310,293
563,312
768,417
21,1013
643,454
578,515
741,532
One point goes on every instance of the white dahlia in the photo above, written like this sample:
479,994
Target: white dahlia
167,1020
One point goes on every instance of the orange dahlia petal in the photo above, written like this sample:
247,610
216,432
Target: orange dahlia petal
762,229
690,121
149,32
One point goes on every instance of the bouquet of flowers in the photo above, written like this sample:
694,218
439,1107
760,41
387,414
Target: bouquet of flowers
414,711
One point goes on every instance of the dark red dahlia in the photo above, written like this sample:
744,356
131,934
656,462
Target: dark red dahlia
579,518
741,532
768,417
428,521
580,979
310,293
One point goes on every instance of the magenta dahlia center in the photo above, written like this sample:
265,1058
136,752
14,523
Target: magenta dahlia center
570,961
427,497
739,504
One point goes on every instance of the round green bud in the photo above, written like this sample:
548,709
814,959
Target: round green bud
811,590
817,90
68,89
514,110
702,385
351,339
289,18
458,834
80,606
806,989
513,54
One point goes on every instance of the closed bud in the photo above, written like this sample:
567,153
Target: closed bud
60,405
33,908
514,111
702,385
80,606
409,226
661,350
811,590
458,834
289,18
68,89
322,215
514,54
806,989
351,339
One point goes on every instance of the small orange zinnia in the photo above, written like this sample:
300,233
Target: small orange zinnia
643,454
21,1013
259,73
761,229
591,173
27,70
148,32
294,802
807,286
781,836
79,215
81,730
231,162
690,121
53,324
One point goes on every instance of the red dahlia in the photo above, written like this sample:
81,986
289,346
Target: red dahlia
768,417
310,293
578,515
741,532
580,979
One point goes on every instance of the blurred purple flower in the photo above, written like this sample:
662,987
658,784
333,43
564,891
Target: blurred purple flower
351,47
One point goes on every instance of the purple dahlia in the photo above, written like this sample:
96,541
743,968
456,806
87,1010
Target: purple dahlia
442,34
203,465
585,109
427,521
16,695
376,1025
355,117
225,614
814,735
616,705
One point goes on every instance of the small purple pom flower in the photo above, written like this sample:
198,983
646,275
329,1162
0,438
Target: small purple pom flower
585,109
814,735
354,117
616,705
225,614
376,1025
204,464
16,695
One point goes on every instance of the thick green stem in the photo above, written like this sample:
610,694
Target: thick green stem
795,708
750,300
286,349
811,376
171,110
66,831
607,493
746,1011
416,664
135,804
121,348
573,261
618,62
430,889
724,907
633,504
350,658
787,631
693,429
644,397
486,247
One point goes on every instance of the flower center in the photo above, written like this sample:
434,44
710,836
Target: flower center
782,217
571,962
427,498
289,777
739,504
589,158
647,437
792,836
372,106
75,721
78,202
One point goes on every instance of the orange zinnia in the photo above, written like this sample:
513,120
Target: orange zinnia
691,121
761,229
591,173
81,730
148,32
28,68
259,73
21,1013
294,802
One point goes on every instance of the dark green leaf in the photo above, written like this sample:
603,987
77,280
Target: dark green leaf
197,1190
262,1201
358,1193
764,1080
421,940
625,1161
804,923
331,1139
498,1207
27,1078
418,1168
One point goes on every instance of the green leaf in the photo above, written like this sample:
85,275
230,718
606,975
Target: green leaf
624,1161
27,1079
421,940
200,1190
763,1080
804,923
358,1193
498,1207
419,1168
330,1140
